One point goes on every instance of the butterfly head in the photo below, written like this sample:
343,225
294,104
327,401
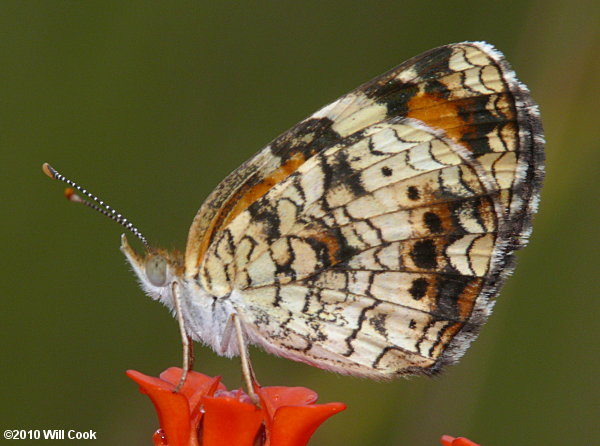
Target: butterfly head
157,270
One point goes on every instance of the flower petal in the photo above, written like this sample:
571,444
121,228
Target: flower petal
172,408
229,421
294,425
272,398
195,383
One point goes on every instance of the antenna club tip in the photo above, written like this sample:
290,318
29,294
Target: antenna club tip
72,196
69,192
49,170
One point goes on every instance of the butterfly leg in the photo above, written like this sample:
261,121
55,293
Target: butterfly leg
227,333
188,346
191,356
247,370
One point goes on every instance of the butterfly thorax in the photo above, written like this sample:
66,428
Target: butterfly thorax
161,273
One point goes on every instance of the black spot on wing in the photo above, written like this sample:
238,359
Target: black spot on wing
413,193
433,222
424,254
418,288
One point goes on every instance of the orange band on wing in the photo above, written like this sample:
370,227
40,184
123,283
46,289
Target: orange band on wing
245,196
439,113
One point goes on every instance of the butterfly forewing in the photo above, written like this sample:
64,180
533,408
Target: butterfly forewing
370,238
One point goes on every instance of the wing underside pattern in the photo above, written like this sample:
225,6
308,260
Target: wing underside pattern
371,238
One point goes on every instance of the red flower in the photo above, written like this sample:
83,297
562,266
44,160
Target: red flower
447,440
204,413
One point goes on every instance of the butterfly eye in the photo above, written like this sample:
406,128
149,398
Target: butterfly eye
156,270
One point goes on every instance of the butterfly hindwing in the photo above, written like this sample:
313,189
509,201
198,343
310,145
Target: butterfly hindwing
412,238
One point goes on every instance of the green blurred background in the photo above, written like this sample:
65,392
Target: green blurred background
150,104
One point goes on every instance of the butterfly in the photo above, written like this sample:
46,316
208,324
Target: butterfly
371,238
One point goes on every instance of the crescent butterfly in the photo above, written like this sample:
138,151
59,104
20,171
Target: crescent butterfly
372,237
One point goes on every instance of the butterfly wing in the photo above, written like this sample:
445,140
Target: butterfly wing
371,237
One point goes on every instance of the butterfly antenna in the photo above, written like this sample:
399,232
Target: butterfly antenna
101,206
